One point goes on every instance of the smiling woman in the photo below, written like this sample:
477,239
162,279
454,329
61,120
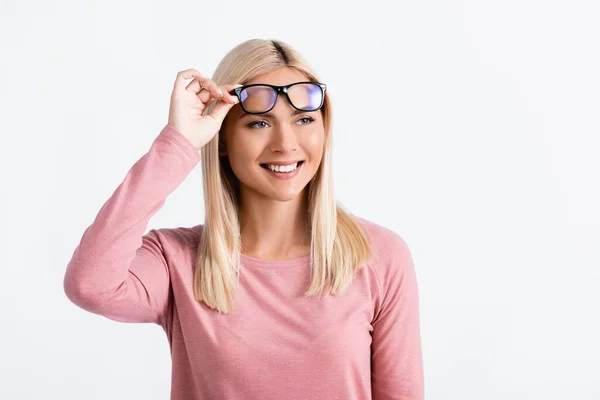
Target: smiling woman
281,293
275,141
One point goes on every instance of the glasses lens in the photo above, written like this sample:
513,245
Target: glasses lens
306,96
258,98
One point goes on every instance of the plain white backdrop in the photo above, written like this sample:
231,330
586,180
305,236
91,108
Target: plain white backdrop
469,127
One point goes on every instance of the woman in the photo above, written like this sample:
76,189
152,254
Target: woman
281,293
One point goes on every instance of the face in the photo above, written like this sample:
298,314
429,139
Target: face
256,143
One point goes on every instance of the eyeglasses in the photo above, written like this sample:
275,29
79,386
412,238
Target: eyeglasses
260,98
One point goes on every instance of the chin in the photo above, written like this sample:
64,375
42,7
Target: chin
283,197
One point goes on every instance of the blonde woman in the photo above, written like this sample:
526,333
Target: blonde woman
281,293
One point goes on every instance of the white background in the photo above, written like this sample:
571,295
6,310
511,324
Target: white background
471,128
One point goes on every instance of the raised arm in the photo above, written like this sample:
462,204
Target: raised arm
116,270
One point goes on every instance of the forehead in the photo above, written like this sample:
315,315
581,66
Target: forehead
280,77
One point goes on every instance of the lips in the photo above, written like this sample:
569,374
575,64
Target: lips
283,162
266,165
283,176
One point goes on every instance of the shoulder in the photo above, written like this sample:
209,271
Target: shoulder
384,242
177,239
392,258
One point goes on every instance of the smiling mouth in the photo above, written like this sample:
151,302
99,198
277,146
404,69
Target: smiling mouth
266,166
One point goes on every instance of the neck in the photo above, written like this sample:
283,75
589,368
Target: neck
274,230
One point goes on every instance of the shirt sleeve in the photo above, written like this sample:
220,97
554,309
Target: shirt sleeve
396,355
116,270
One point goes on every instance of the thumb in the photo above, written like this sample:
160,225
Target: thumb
220,111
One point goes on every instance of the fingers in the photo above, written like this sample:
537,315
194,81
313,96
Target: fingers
228,89
200,81
205,95
209,85
207,90
228,96
220,111
205,87
182,76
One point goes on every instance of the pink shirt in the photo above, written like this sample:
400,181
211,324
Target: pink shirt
277,344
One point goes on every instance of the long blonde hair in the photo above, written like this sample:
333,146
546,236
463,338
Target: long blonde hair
339,247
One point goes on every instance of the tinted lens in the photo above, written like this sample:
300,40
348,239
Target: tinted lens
306,96
258,98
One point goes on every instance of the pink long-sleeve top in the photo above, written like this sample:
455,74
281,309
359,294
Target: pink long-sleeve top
277,344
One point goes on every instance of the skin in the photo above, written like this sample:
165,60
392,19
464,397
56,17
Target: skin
273,211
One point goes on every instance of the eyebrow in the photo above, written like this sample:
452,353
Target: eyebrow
271,115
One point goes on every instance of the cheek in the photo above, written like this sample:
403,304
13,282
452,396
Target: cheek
242,153
314,145
239,162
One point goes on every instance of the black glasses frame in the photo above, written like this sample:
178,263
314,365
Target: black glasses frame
280,89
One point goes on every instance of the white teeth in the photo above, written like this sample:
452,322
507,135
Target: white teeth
282,168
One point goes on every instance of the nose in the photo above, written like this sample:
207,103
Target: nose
284,138
283,134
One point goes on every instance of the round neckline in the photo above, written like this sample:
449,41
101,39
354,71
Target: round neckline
257,262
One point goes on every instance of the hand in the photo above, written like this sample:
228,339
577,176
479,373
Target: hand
189,102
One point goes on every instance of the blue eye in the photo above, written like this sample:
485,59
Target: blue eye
309,120
253,124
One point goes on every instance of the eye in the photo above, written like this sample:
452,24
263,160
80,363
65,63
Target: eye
254,124
259,124
308,120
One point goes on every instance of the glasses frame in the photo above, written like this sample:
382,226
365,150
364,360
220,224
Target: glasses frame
280,89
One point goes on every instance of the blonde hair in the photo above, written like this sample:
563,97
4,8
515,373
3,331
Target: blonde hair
339,247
